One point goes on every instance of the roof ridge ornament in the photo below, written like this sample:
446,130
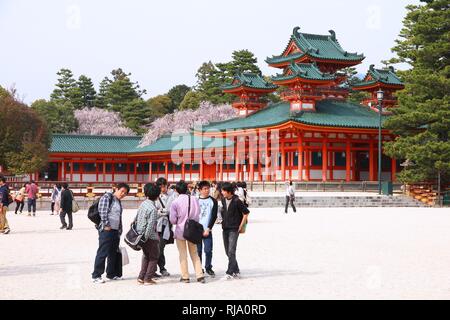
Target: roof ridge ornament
295,31
332,34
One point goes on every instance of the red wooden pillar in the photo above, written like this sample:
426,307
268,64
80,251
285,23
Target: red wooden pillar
300,156
324,159
104,171
96,171
307,162
331,157
183,171
166,170
149,171
236,160
63,172
135,171
81,171
291,164
283,162
251,159
71,171
267,158
347,161
393,170
371,162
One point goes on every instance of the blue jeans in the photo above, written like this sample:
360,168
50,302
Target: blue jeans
31,203
107,248
230,239
208,242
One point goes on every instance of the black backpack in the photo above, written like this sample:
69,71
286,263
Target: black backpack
193,230
93,213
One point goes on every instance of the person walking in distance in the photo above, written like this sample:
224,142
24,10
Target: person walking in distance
109,231
290,196
234,217
4,203
56,198
66,207
208,216
31,191
20,199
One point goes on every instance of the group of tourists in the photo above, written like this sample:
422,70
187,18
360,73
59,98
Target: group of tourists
161,221
28,192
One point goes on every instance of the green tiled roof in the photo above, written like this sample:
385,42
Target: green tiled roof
249,80
318,46
66,143
328,113
386,76
304,71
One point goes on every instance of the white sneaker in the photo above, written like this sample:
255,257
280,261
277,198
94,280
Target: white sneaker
98,280
115,278
237,275
228,277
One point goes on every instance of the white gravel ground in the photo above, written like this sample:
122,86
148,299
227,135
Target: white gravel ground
342,253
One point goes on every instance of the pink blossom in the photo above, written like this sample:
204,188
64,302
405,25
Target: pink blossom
95,121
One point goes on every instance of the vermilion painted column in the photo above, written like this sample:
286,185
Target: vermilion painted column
135,171
283,162
347,161
71,171
183,171
393,170
324,159
166,170
96,172
251,160
307,162
104,171
300,156
267,158
149,171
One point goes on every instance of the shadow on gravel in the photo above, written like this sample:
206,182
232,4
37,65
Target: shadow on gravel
40,268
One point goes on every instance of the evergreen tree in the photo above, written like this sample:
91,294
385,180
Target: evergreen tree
209,80
191,100
159,106
176,95
67,90
422,119
60,118
101,101
243,61
355,96
88,93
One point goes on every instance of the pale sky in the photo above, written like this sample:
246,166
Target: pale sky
162,43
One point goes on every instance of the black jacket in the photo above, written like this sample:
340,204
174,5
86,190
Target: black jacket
66,200
232,217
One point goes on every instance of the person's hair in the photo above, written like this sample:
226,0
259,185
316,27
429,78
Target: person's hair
123,185
244,184
203,184
65,185
172,187
152,191
161,181
58,185
290,182
32,181
3,179
181,187
227,186
25,184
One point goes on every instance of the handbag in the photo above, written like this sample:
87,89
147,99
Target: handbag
125,258
171,239
193,231
75,206
134,239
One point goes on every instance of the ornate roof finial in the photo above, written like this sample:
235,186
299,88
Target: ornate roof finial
372,67
295,32
391,68
333,34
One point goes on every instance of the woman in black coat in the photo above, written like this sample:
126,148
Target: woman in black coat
66,207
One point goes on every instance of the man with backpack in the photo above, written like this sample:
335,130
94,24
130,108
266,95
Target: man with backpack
109,231
5,201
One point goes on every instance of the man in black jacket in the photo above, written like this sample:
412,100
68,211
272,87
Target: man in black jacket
234,217
66,207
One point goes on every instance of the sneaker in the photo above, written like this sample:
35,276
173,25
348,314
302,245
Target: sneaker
185,280
34,214
210,272
140,281
228,277
98,280
149,282
237,275
63,227
6,231
157,275
164,273
69,228
201,280
115,278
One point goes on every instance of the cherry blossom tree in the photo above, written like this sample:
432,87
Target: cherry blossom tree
95,121
185,120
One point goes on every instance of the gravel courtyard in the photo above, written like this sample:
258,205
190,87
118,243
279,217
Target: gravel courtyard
333,253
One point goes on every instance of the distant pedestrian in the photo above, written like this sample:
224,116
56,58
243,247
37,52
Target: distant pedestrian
147,219
66,207
56,198
20,199
242,193
218,196
290,196
31,191
208,216
234,215
183,208
109,231
4,203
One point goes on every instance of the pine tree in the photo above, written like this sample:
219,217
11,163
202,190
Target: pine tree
176,95
101,101
243,61
422,119
88,93
67,90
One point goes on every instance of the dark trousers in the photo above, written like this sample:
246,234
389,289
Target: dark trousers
52,207
150,255
208,243
108,246
291,201
32,204
230,239
161,258
62,216
19,206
